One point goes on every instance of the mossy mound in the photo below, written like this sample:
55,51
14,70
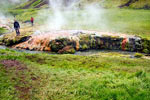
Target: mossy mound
60,44
146,45
15,40
79,42
11,38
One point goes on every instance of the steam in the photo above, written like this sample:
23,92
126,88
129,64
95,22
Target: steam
2,19
7,4
67,13
59,7
6,18
64,14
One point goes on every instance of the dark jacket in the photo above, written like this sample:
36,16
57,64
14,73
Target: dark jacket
16,24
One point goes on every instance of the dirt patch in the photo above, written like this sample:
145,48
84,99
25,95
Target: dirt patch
23,78
13,64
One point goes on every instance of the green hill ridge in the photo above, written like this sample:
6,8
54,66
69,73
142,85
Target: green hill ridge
136,4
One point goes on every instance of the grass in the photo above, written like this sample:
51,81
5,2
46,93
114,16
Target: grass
2,31
140,4
72,77
24,14
31,4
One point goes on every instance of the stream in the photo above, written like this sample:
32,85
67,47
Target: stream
81,53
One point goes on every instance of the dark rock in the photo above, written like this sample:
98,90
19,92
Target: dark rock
16,40
67,50
59,44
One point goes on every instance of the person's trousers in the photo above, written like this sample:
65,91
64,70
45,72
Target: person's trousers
32,23
17,31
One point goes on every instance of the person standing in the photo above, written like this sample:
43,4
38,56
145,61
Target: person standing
32,21
17,27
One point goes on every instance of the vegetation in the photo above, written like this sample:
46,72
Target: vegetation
11,39
43,76
2,31
138,55
134,4
34,4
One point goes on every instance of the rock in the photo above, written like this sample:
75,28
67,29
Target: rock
47,49
67,50
84,41
77,45
16,40
77,42
59,44
145,45
124,44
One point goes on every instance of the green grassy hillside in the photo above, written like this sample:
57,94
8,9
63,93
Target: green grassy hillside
138,4
33,4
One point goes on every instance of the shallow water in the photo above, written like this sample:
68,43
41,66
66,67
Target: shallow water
98,52
82,53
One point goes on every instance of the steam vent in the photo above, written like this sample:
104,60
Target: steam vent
70,41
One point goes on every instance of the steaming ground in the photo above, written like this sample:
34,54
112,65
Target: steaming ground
108,20
59,17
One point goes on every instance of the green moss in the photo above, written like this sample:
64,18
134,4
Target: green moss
12,39
85,37
60,43
93,43
146,51
138,55
146,45
85,41
85,47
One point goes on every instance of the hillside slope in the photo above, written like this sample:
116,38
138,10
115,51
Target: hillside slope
34,4
136,4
